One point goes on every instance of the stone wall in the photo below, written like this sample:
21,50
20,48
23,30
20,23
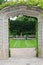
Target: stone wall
12,11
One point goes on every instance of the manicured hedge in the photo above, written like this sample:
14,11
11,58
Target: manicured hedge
38,3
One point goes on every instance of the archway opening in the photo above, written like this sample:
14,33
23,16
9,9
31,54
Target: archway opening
23,32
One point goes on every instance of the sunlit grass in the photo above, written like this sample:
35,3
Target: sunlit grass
23,43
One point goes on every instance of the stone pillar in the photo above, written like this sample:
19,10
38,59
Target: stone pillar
40,37
5,39
1,38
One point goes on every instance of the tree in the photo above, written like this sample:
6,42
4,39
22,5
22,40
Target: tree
23,24
1,1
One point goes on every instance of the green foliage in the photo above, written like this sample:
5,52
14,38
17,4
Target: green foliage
1,1
37,37
7,4
38,3
32,2
23,24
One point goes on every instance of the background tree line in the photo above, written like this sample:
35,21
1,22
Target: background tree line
23,24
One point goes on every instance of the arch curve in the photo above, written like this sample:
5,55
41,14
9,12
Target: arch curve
12,11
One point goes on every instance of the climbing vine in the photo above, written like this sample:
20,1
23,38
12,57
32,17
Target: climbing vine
38,3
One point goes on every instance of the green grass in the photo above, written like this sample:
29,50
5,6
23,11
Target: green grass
23,43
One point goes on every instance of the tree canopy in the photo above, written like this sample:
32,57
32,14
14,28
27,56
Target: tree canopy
1,1
23,24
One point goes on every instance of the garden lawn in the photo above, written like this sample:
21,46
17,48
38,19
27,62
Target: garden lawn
31,43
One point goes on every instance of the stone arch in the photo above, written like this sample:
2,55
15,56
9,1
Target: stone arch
12,11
